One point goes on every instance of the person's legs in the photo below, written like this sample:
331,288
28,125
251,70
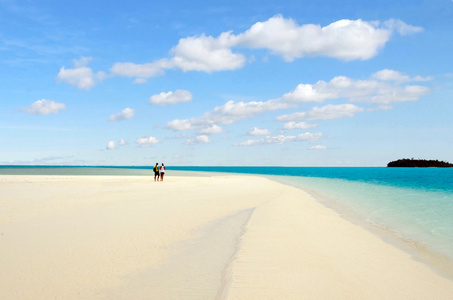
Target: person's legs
162,176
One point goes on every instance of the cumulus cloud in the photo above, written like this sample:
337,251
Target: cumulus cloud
181,125
206,53
125,114
392,75
255,131
327,112
226,114
147,141
343,39
80,76
44,107
177,96
213,129
281,139
299,125
201,139
384,88
111,145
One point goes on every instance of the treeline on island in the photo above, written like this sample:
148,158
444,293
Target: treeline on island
419,163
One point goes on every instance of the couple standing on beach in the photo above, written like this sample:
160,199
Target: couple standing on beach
159,172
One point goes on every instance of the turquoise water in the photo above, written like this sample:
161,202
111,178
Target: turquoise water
416,204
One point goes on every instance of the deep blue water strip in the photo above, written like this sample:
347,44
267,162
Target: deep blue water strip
418,178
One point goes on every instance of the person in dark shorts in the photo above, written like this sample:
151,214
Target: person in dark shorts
162,172
156,172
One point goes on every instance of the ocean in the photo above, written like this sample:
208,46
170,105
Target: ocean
413,204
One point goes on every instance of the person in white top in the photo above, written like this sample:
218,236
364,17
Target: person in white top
162,172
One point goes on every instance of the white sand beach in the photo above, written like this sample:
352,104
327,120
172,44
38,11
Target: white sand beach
219,237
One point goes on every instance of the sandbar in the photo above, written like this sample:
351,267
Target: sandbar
189,237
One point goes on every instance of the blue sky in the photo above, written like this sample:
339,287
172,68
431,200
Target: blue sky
290,83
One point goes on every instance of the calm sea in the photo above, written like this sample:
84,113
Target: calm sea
415,204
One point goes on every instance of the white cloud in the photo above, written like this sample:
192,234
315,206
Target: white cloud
201,139
142,71
147,141
401,27
80,76
125,114
232,112
177,96
111,145
387,74
327,112
213,129
386,87
226,114
122,142
139,81
206,53
318,147
300,125
257,132
309,93
390,75
343,39
394,94
180,125
44,107
281,139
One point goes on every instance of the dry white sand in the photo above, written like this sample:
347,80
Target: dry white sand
221,237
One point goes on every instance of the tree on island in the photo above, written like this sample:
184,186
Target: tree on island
419,163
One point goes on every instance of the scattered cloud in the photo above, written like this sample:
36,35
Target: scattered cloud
318,147
81,76
181,125
343,39
401,27
214,129
327,112
255,131
44,107
281,139
384,88
226,114
125,114
201,139
299,125
392,75
111,145
147,141
206,53
142,71
177,96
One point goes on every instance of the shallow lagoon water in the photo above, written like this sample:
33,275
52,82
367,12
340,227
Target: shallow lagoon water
416,204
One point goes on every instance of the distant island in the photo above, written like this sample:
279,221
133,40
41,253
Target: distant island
419,163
